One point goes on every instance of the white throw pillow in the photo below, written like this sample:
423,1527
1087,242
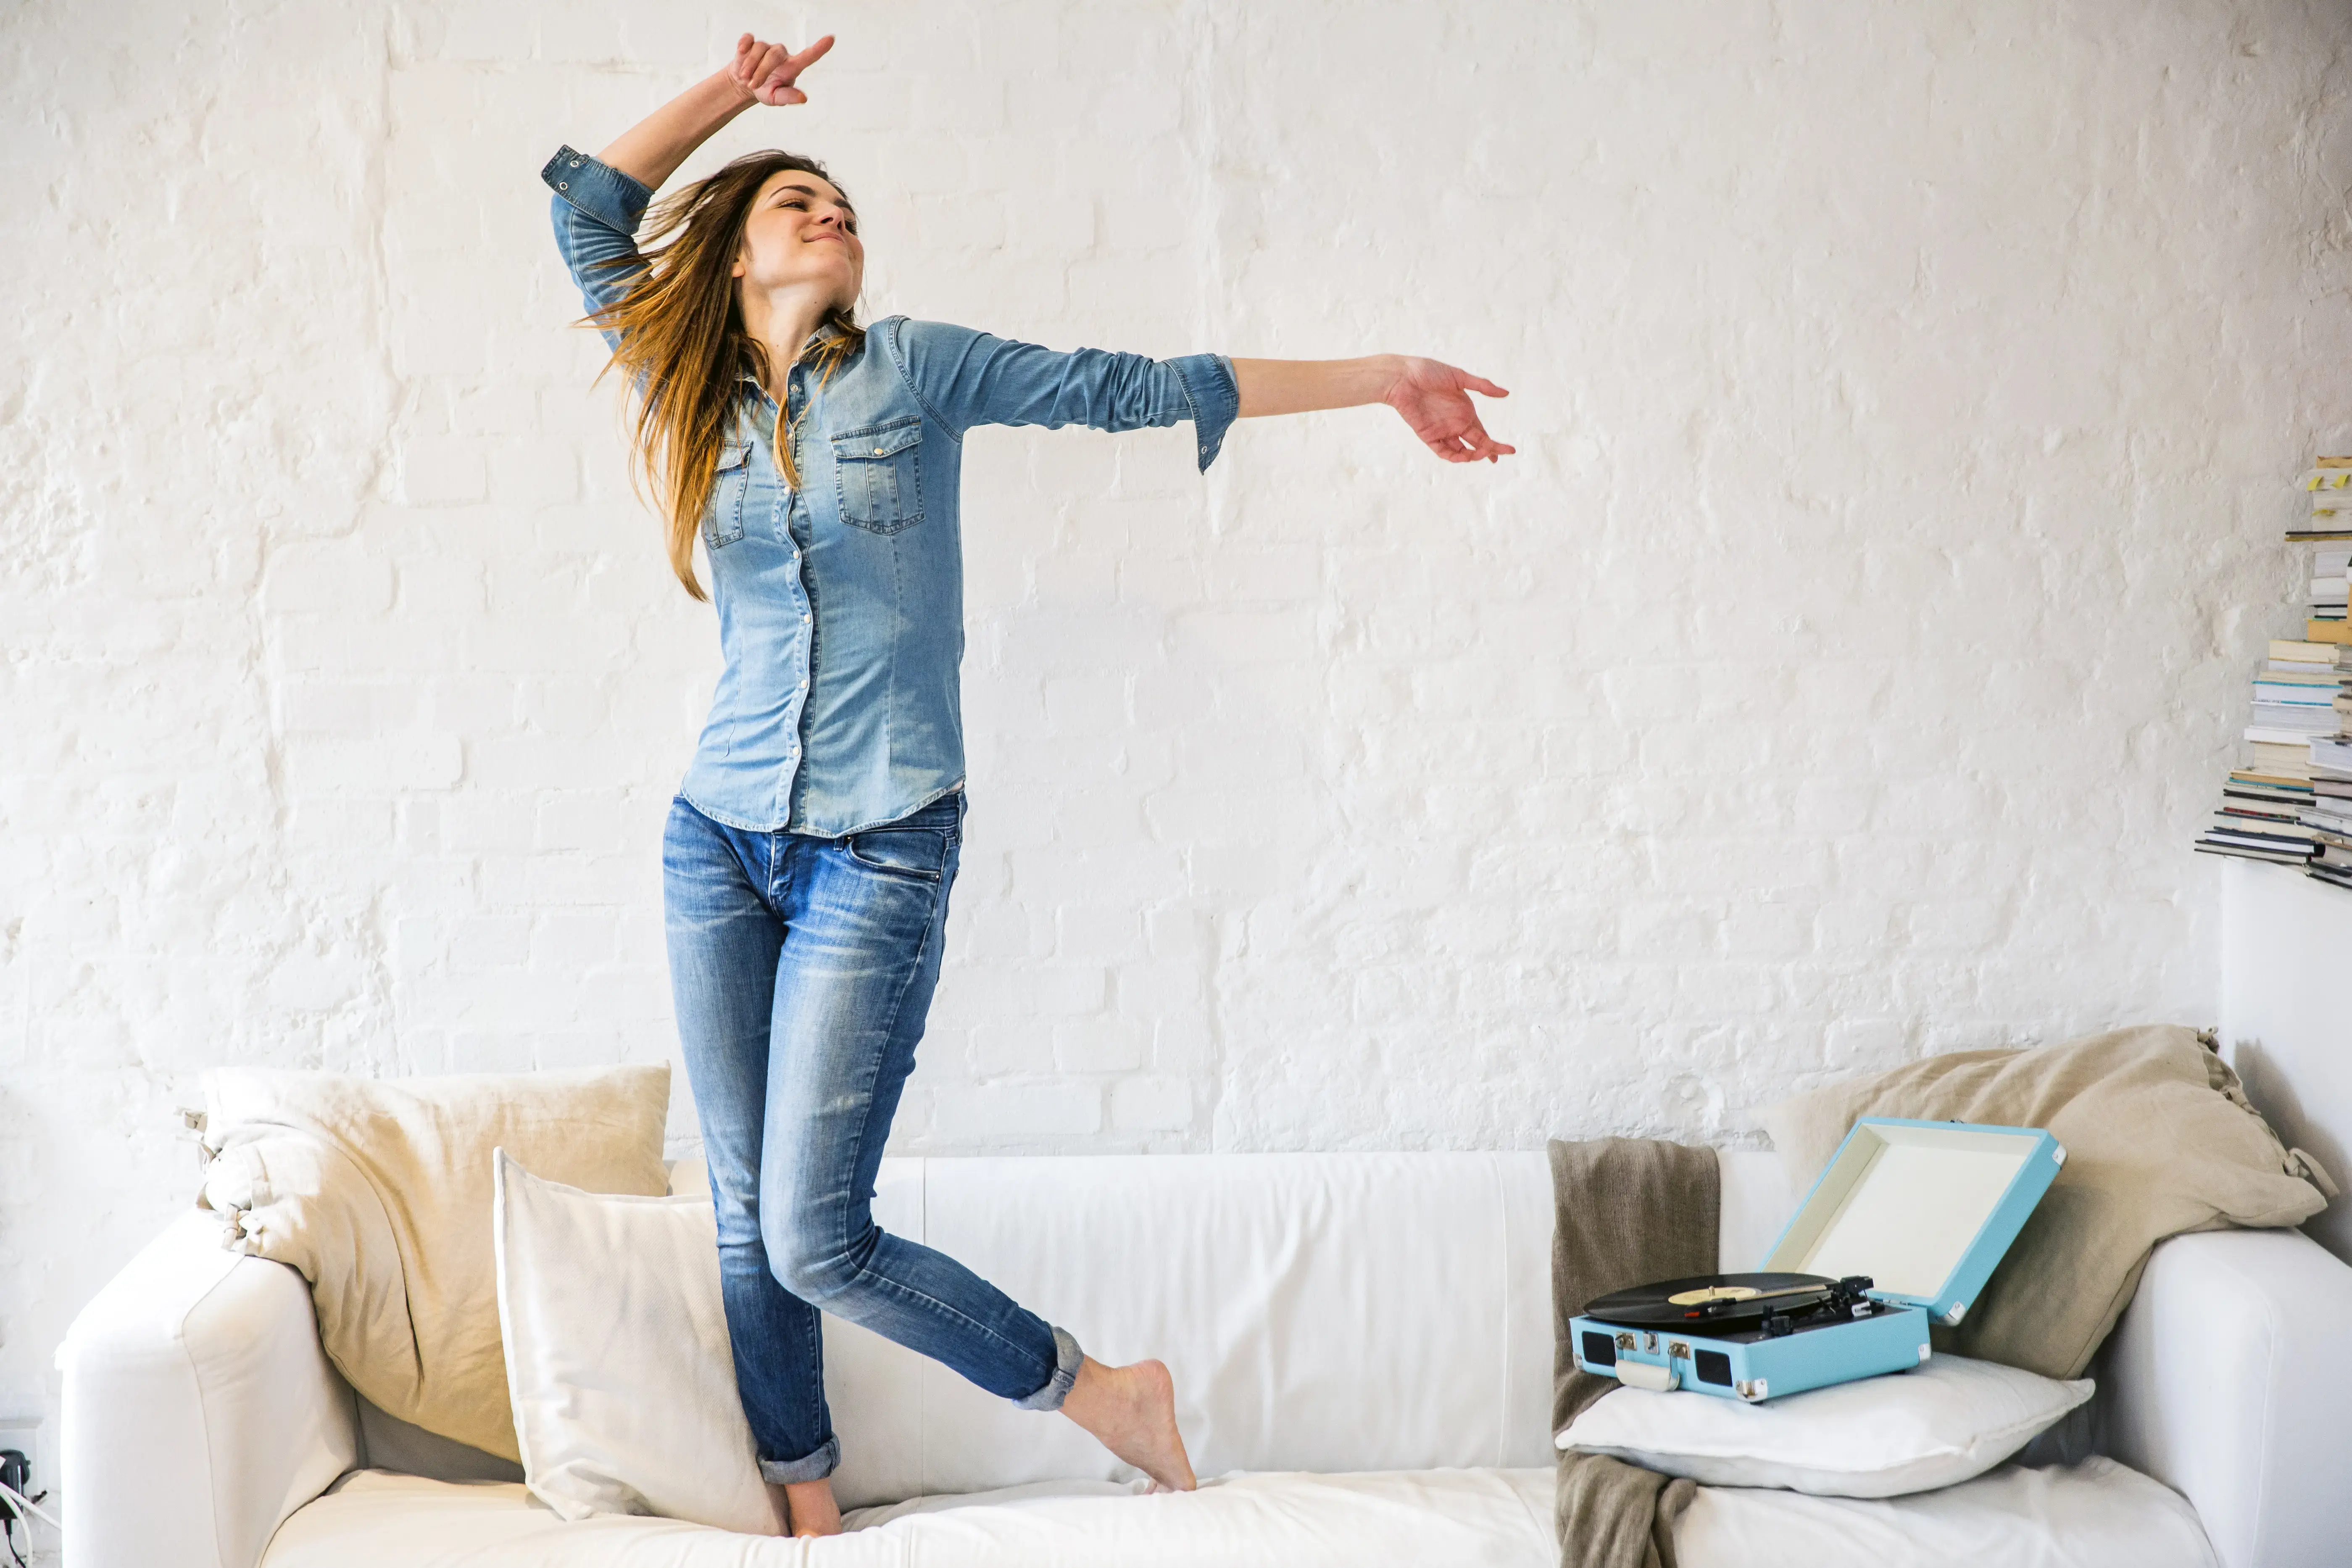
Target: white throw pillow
1943,1422
617,1359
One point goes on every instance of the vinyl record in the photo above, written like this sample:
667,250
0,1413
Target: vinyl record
1709,1299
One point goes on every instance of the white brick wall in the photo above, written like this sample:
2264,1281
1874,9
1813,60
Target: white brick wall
1903,401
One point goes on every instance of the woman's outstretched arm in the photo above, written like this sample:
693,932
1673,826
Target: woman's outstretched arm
1432,396
651,149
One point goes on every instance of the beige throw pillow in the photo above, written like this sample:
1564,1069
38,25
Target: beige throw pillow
379,1191
2160,1140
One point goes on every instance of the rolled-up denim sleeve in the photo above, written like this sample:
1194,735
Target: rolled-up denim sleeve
596,209
964,378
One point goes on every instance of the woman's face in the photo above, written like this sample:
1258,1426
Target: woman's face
801,231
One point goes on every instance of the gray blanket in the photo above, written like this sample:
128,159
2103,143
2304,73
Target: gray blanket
1626,1212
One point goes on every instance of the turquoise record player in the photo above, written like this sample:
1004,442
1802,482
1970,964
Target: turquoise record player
1904,1226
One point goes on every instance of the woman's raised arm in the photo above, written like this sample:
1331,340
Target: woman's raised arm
1432,397
651,149
600,201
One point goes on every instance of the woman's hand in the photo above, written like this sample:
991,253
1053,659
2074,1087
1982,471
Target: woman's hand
1434,399
651,150
764,73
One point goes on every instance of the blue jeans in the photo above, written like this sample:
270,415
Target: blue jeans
802,968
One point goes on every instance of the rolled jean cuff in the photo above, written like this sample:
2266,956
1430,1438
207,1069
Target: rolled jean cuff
1066,1357
811,1467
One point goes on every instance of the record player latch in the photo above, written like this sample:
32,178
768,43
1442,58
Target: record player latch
1641,1374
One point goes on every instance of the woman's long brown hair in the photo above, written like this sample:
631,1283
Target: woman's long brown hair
683,340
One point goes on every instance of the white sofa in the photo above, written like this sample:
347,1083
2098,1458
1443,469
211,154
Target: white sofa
1363,1349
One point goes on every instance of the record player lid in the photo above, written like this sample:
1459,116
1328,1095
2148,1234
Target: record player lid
1925,1208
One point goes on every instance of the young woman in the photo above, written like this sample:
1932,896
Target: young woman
810,851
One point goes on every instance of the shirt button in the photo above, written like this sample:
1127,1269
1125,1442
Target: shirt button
576,163
563,184
878,451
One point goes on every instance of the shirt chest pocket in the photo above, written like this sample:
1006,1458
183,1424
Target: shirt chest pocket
722,521
880,472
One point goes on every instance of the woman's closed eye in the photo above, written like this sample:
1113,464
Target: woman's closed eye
801,202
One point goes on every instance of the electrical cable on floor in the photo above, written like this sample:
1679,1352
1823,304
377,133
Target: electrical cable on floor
29,1506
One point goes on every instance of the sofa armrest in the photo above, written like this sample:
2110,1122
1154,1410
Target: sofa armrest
2228,1383
199,1409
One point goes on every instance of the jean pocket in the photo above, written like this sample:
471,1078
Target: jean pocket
920,853
722,520
880,474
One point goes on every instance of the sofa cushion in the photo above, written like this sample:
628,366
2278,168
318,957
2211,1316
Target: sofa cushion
1328,1312
378,1191
1945,1421
2095,1515
2160,1140
1275,1520
617,1357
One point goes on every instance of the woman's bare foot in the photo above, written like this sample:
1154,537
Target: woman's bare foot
809,1509
1131,1410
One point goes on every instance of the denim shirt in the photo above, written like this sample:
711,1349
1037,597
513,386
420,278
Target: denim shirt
841,604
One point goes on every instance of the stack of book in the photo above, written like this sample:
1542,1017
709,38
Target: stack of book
2296,694
2269,804
2291,800
2327,567
2263,799
2329,816
2330,487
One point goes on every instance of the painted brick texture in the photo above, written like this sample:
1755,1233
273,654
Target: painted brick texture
1906,402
